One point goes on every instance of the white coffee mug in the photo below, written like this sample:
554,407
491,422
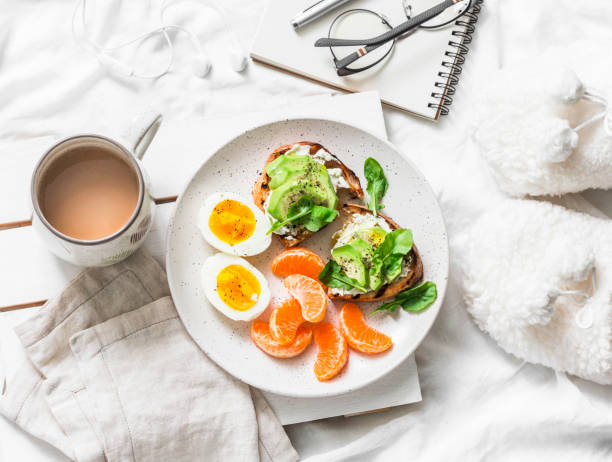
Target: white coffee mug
119,245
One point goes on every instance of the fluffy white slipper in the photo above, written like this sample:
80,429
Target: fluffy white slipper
543,127
538,279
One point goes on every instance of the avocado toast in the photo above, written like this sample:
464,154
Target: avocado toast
298,189
363,272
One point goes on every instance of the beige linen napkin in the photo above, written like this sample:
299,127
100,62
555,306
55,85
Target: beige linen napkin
115,376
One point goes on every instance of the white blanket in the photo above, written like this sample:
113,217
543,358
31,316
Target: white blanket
479,403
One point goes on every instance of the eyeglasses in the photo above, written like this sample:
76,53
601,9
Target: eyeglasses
367,53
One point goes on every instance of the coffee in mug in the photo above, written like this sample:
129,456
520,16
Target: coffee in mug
89,191
91,200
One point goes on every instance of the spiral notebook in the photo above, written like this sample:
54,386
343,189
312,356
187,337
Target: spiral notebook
419,77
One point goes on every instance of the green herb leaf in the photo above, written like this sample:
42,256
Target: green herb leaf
392,266
296,211
416,299
377,184
333,276
388,258
389,306
319,217
305,212
398,241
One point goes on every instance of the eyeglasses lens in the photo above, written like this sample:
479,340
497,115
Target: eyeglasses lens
357,24
447,17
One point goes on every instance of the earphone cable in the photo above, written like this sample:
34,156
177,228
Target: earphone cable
103,53
99,50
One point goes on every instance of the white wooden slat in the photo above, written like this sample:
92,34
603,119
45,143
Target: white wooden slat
180,146
17,161
31,273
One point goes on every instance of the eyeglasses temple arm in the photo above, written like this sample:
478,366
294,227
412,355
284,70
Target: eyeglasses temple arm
391,34
344,62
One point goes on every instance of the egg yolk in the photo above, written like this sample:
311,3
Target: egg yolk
238,287
232,221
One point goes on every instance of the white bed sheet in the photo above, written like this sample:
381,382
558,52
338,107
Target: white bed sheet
479,403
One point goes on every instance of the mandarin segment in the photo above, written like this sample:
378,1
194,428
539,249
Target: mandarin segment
260,334
359,334
297,260
333,351
309,294
285,320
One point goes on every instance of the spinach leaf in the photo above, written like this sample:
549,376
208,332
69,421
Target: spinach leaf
305,212
387,260
319,217
377,184
332,275
398,241
392,266
416,299
296,211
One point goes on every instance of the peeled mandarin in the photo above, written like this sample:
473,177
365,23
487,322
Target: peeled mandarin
285,320
309,294
358,334
297,260
333,351
260,334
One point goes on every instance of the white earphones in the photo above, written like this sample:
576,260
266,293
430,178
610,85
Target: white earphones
238,60
200,63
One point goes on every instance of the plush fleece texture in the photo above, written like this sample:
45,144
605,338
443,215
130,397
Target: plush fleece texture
525,121
517,261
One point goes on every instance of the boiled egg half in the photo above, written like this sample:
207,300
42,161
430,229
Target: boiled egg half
235,287
232,224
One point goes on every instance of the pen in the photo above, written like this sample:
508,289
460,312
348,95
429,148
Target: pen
315,11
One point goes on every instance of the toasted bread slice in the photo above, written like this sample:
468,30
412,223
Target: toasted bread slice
261,190
415,273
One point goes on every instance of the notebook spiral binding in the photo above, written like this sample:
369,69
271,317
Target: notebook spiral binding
452,69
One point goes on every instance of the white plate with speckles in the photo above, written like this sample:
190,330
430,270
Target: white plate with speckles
235,167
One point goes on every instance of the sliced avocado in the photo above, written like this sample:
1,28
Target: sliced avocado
313,181
366,251
283,167
375,280
364,248
350,260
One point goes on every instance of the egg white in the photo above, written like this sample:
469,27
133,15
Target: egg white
211,269
253,245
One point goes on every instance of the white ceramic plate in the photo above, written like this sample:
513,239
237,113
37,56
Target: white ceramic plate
235,167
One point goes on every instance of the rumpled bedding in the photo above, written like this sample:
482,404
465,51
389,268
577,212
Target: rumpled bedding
479,403
548,136
536,278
